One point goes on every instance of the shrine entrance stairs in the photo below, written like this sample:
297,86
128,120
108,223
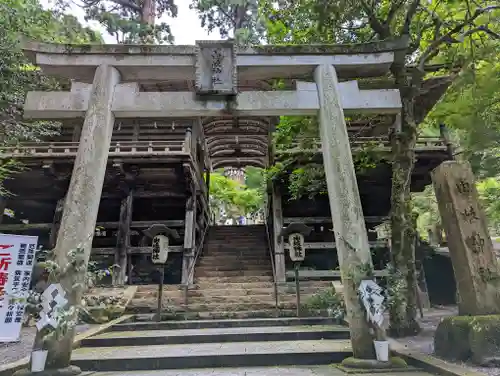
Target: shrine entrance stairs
233,278
177,345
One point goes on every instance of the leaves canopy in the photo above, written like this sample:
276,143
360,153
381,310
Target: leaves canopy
27,18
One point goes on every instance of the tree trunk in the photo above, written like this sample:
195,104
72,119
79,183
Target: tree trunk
402,316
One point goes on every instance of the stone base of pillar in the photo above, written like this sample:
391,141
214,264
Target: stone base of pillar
352,363
68,371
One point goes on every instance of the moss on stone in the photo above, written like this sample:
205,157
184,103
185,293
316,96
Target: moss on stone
451,339
484,339
475,338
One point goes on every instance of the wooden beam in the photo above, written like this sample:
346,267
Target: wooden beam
331,245
132,250
189,239
321,220
279,250
107,225
56,222
123,239
316,274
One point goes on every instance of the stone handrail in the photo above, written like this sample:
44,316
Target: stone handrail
68,149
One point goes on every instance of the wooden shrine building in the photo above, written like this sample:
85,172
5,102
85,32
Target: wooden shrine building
155,120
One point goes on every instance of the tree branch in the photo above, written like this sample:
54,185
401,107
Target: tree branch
436,21
412,10
375,23
396,5
432,49
128,4
477,29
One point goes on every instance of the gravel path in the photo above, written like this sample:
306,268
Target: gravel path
424,342
12,351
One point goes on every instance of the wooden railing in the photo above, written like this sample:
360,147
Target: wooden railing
379,143
117,149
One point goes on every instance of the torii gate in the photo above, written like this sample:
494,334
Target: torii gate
106,86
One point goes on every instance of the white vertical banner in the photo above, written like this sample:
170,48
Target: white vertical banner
17,258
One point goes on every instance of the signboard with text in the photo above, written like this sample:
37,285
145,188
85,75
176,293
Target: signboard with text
17,258
160,249
297,249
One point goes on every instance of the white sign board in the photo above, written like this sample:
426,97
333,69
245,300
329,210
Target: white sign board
373,301
17,257
160,249
296,248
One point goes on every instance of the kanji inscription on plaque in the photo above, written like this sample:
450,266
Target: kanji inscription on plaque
216,68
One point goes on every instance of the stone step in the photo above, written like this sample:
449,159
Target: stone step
238,306
229,249
233,256
233,273
236,279
201,267
213,260
149,311
266,291
145,323
231,228
194,336
234,299
203,355
228,295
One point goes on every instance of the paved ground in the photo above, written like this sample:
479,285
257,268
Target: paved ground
258,371
12,351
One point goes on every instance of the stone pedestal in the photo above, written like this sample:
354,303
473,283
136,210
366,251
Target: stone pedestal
471,250
345,204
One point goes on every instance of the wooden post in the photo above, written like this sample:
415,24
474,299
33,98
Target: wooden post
471,249
189,240
123,239
77,130
279,247
83,197
56,223
3,204
348,221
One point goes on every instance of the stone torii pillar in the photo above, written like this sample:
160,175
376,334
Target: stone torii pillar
84,194
349,227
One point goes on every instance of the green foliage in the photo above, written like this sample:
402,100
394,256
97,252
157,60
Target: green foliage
471,108
238,19
425,205
235,198
67,316
130,21
328,299
17,77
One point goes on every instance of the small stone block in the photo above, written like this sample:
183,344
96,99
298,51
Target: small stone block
68,371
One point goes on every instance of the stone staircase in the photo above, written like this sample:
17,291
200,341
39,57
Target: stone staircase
233,279
182,346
